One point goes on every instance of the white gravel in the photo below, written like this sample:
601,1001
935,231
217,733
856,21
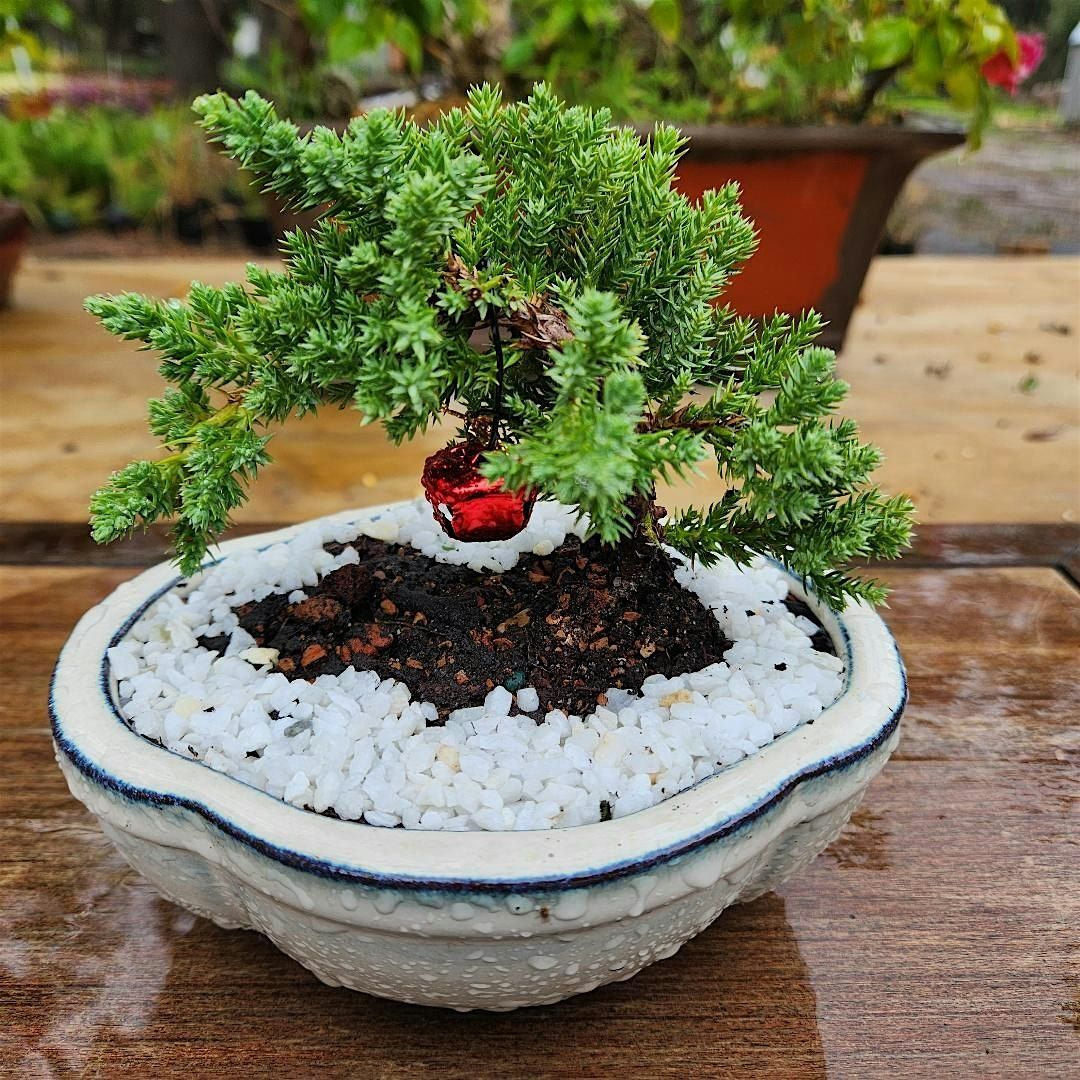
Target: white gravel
360,746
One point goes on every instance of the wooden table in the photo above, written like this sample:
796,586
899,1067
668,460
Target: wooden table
959,370
939,935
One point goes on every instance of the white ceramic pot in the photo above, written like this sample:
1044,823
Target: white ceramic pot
469,920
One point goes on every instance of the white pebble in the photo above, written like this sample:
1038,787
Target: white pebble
528,700
360,746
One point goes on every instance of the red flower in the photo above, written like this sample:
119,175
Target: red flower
1001,70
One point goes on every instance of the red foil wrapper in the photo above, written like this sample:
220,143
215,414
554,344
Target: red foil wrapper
467,505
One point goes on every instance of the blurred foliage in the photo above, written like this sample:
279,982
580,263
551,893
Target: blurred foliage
1063,15
19,22
77,157
75,168
769,61
819,61
740,61
301,90
323,54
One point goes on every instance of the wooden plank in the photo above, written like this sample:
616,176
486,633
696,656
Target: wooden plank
62,543
937,358
41,606
68,543
958,373
989,544
991,658
937,934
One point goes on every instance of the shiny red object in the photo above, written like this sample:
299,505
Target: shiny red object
1002,70
467,505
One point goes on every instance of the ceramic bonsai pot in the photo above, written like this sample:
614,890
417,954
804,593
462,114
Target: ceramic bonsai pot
476,919
820,197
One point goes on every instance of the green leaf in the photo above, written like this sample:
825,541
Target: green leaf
951,37
348,37
406,36
963,84
519,52
927,63
993,36
888,41
666,18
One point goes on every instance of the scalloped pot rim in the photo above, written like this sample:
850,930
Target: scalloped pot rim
89,731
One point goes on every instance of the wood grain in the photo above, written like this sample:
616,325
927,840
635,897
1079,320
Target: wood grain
68,543
937,357
938,935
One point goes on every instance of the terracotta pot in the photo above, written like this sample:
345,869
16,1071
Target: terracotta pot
820,197
469,920
14,233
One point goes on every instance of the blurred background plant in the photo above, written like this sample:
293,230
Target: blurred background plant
104,166
739,61
94,130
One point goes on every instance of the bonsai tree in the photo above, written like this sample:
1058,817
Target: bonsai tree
529,270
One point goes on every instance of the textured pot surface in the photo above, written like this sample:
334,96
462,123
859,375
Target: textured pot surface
480,919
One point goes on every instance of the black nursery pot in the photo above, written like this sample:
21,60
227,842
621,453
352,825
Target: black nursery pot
257,233
189,221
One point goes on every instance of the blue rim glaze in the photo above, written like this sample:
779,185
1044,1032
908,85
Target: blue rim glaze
297,860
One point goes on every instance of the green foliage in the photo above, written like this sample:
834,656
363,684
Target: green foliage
19,19
1062,16
67,167
813,61
737,60
328,49
560,234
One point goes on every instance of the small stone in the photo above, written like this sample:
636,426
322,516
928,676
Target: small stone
317,609
673,699
185,705
296,787
520,619
528,700
374,640
449,756
311,655
258,657
498,702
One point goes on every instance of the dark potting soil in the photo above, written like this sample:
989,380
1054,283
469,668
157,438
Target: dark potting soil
571,624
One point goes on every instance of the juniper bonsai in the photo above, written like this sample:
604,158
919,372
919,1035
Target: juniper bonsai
528,269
